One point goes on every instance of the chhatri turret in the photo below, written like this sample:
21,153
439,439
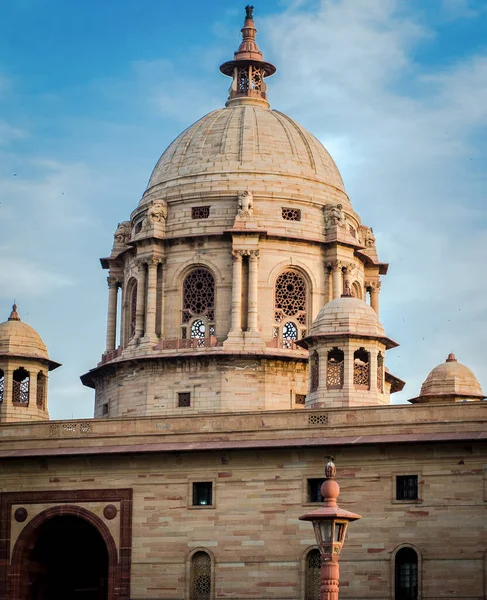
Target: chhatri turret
24,368
248,68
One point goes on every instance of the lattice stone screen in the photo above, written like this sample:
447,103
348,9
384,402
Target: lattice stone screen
361,369
315,371
313,575
41,390
291,214
200,584
334,369
198,305
290,302
2,385
200,212
380,373
21,387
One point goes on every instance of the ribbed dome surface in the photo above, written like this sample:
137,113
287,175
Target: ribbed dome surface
347,315
20,339
451,378
246,139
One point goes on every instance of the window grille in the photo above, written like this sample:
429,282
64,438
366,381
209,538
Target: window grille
300,399
313,575
380,373
361,369
41,390
315,371
200,212
314,490
406,487
184,399
200,580
318,420
202,493
2,385
334,369
198,301
291,214
406,575
290,301
21,387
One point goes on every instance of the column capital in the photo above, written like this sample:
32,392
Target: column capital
237,255
373,285
154,261
113,282
336,264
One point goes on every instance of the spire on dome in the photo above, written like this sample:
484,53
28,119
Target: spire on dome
248,68
14,315
451,358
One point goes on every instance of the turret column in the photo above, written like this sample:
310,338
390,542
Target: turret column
113,285
236,292
140,310
337,279
374,289
253,290
151,305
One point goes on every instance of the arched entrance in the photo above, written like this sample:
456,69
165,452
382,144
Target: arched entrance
64,552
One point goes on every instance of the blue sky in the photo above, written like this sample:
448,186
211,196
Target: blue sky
91,93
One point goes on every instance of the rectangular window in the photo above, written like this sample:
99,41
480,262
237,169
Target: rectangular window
184,398
104,410
202,493
314,490
406,487
291,214
200,212
300,399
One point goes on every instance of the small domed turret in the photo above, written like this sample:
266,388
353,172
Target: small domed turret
450,382
24,367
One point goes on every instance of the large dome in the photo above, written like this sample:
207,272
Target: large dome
245,141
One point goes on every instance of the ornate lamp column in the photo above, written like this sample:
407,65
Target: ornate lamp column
113,285
330,524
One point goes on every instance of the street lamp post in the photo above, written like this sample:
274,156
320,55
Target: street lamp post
330,524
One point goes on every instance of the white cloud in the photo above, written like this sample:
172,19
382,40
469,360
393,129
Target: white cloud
9,133
407,143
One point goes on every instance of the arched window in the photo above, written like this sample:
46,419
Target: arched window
290,308
21,387
315,371
361,369
380,373
406,575
200,578
41,390
312,575
334,369
357,290
2,385
198,315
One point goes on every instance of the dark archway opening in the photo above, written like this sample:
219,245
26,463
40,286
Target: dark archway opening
69,560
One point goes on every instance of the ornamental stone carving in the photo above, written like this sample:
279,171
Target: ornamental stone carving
245,204
157,212
366,236
122,234
372,285
334,216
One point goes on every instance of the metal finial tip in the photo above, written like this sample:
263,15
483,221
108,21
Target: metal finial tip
451,358
249,12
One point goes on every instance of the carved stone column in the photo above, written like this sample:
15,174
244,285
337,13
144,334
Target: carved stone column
237,292
374,289
337,279
140,311
151,308
373,370
253,290
113,285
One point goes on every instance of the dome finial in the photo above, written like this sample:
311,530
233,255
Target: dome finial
451,358
248,68
14,315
